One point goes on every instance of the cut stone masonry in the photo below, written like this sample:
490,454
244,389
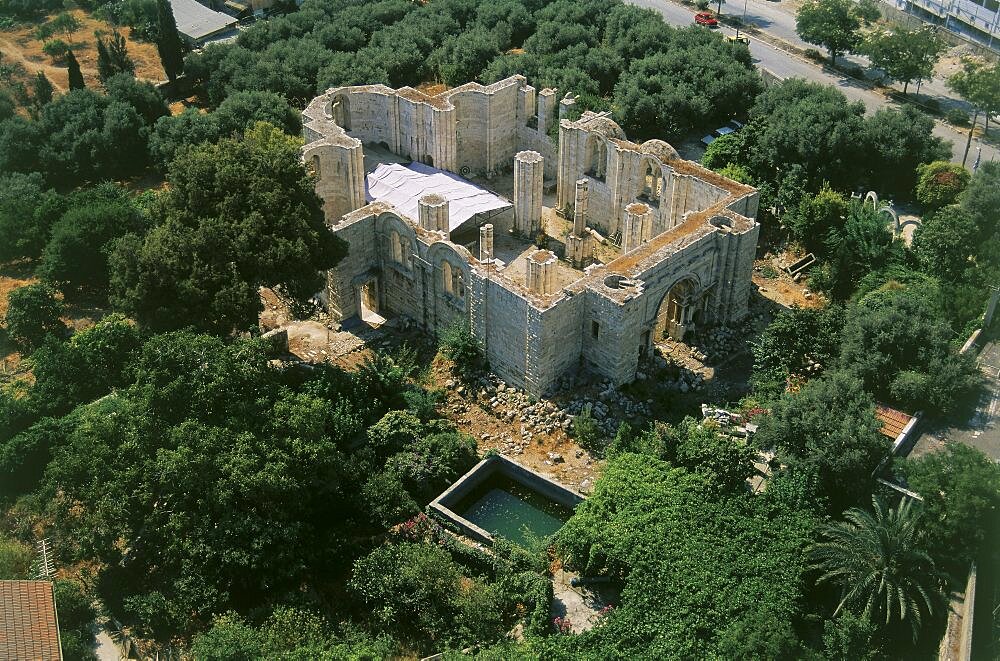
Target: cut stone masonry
687,235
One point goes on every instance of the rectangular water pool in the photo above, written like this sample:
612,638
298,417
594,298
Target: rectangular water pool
501,497
502,506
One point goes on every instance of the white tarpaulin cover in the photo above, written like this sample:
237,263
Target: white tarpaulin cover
403,185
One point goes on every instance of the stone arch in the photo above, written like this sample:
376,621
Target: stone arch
596,157
401,238
451,264
680,310
340,110
650,182
872,197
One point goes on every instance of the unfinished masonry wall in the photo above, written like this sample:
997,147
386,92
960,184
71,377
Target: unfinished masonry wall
687,235
472,129
620,173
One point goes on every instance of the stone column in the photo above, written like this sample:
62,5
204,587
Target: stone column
486,243
568,102
541,272
580,207
433,211
339,166
528,172
546,108
638,217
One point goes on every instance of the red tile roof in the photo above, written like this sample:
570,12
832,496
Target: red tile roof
29,630
892,420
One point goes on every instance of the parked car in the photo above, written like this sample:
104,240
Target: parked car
706,18
732,127
742,39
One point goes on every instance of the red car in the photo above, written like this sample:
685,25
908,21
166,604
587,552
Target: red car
706,18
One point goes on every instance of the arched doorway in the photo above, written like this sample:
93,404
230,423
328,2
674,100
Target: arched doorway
679,312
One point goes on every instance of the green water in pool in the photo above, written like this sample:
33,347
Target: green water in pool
502,506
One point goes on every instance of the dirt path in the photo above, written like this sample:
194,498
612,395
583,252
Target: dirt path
58,76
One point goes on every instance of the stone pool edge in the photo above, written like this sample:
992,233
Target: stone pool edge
482,471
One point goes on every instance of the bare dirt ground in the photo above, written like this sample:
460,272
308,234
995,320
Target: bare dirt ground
713,369
317,340
774,283
20,45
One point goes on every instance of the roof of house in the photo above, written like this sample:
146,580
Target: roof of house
29,627
196,21
892,421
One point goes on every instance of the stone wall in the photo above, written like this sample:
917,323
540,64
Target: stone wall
691,244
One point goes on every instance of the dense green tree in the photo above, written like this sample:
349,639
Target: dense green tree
904,55
258,223
864,243
898,142
945,243
244,109
23,457
803,130
940,183
233,116
684,552
816,215
828,428
848,636
20,140
960,487
722,77
76,617
171,134
24,218
8,108
141,95
75,75
800,342
833,24
978,82
418,590
876,560
982,199
203,448
462,58
168,40
696,447
112,57
898,343
75,258
41,91
85,136
33,313
91,364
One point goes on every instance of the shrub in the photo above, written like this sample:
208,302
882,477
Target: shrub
940,183
957,116
585,431
15,559
457,343
32,315
55,48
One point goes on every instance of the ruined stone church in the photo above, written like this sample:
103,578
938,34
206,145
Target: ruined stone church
559,255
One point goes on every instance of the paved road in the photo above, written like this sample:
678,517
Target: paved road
982,429
779,23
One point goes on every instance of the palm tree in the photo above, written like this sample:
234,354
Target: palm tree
875,559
